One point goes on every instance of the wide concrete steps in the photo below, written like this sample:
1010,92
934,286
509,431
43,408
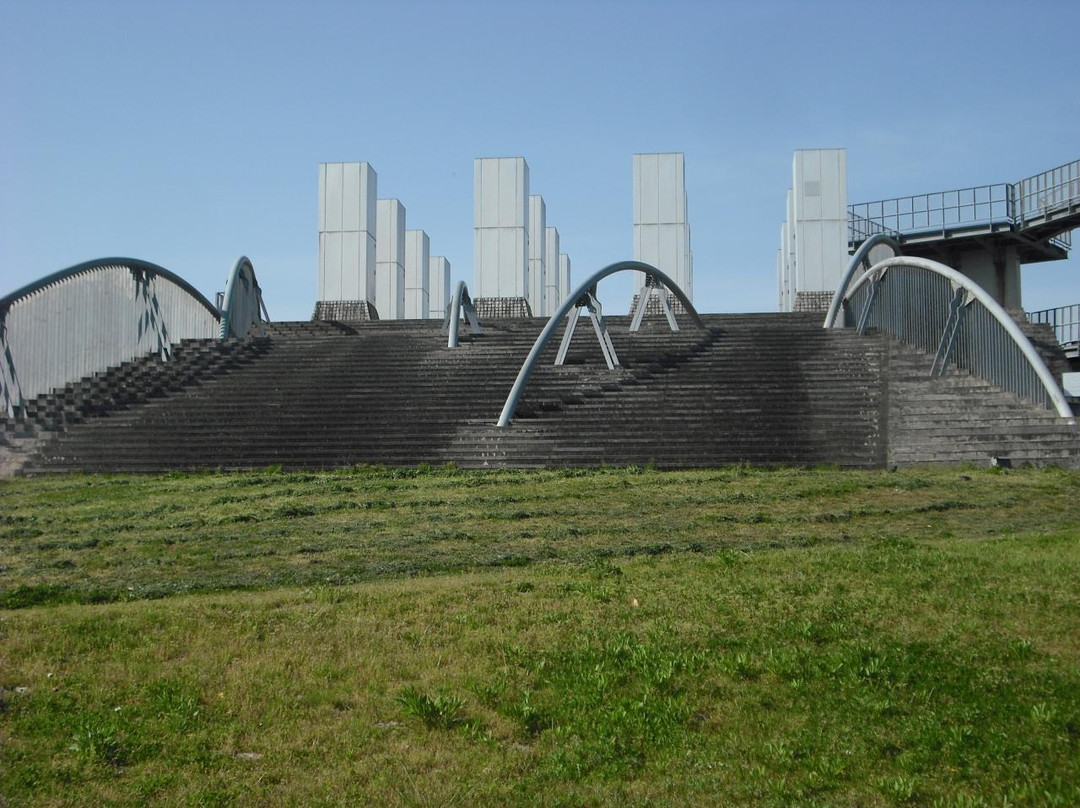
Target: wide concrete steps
760,389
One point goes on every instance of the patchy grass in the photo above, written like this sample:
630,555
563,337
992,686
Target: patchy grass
732,637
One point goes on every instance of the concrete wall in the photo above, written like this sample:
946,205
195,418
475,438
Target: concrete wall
417,261
501,237
438,287
390,260
661,231
537,255
347,214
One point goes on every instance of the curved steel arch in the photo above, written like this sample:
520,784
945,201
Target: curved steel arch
966,291
458,303
861,258
571,300
242,305
91,316
102,263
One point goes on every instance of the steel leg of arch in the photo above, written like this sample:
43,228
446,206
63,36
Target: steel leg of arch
667,310
643,302
864,317
596,312
957,310
568,335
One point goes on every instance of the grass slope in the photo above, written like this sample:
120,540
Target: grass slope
619,637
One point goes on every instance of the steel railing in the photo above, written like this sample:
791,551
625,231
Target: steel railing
937,310
1065,320
1019,204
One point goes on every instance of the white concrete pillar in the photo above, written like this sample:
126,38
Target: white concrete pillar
417,260
537,255
661,231
552,298
438,287
820,219
564,277
347,193
501,237
390,260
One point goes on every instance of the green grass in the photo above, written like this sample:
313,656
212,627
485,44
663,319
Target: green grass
619,637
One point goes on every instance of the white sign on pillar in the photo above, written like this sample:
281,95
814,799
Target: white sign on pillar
552,298
661,231
390,260
417,261
347,214
501,237
438,287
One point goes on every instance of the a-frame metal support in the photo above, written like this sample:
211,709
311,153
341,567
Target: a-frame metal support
957,310
653,286
871,298
459,304
588,302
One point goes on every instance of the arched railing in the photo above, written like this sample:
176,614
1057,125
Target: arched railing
242,305
92,316
938,310
859,261
460,304
584,292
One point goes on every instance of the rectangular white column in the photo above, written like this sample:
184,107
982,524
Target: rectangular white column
820,218
661,231
564,276
552,298
501,235
390,260
438,287
537,255
347,193
417,260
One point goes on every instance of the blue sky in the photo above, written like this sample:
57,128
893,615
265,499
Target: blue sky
188,133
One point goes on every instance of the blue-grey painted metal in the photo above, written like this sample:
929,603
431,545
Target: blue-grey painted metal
915,300
242,306
570,302
860,260
459,303
596,313
90,317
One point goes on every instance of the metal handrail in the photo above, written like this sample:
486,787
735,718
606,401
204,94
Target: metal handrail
979,205
861,259
242,301
571,300
910,315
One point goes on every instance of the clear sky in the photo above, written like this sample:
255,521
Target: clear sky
189,133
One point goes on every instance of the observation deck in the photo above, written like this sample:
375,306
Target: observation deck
1035,215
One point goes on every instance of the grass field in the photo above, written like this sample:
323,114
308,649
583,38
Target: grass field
613,637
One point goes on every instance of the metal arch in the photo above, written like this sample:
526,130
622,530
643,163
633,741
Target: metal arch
992,306
458,303
570,302
242,282
104,263
861,258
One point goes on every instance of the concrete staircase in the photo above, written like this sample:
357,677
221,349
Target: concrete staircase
763,389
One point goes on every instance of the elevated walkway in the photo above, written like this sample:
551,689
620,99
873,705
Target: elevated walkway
1034,216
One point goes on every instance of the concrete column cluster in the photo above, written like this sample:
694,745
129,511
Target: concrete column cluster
366,255
516,255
